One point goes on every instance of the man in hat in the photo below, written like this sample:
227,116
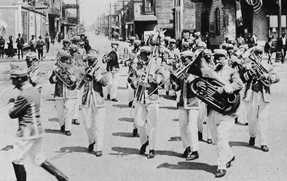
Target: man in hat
258,97
113,68
92,106
40,47
147,102
187,110
64,95
218,123
20,44
26,108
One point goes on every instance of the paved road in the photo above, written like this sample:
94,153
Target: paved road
121,161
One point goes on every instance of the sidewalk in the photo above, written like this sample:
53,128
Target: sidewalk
50,56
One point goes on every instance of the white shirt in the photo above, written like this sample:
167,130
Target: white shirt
284,40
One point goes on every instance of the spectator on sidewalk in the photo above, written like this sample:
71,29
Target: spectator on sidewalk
20,44
40,47
2,47
47,42
284,46
268,49
32,44
10,50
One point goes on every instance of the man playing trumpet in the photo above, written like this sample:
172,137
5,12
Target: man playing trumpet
92,109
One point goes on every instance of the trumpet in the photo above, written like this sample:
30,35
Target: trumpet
258,71
88,75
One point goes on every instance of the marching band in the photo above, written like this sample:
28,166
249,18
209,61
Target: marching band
213,88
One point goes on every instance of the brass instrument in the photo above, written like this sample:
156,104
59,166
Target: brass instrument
206,89
63,74
88,74
258,71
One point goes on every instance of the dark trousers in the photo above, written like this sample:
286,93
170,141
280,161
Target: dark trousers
2,52
40,54
20,52
47,47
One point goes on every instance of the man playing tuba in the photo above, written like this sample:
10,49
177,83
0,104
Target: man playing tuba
65,83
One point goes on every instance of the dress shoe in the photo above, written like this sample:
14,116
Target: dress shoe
115,100
75,122
68,133
199,135
236,120
192,156
108,97
91,147
252,141
151,154
228,164
245,124
98,153
220,173
143,148
264,148
186,152
135,132
209,141
62,129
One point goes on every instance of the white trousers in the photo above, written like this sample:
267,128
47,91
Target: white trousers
77,103
29,150
202,116
112,88
188,128
258,117
146,119
130,93
220,126
65,112
94,123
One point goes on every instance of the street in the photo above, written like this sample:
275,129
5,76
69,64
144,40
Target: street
121,161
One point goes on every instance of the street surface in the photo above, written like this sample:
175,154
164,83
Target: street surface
121,161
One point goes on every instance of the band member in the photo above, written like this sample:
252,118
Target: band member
113,68
147,103
188,110
258,98
218,123
64,86
93,111
26,108
32,63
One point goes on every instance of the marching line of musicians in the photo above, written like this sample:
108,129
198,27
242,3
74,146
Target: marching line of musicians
213,87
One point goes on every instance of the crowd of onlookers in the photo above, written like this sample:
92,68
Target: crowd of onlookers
11,47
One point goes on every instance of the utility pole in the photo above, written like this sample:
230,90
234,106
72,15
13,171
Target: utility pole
279,18
109,21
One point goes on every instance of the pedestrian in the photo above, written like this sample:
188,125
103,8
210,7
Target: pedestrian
26,108
113,69
268,49
47,42
93,111
284,46
10,49
20,44
40,47
2,47
64,87
32,44
258,98
187,111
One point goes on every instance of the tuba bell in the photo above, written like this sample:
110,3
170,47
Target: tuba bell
63,74
206,89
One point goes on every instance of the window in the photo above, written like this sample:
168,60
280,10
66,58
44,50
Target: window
148,6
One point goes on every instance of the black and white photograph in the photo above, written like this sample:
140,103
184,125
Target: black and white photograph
143,90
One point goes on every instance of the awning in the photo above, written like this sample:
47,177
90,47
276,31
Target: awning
145,18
